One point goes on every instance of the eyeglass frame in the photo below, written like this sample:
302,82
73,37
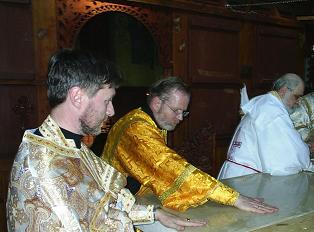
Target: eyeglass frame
184,113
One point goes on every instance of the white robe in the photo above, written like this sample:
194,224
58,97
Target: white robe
265,141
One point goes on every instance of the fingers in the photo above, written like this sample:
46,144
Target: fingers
175,222
262,209
181,223
190,222
255,205
259,206
177,227
259,199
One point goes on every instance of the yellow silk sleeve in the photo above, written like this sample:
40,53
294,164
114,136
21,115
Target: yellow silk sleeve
139,149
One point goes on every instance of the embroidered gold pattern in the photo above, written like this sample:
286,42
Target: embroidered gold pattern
56,187
178,182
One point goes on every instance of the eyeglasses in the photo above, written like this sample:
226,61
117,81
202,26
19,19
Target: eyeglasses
184,113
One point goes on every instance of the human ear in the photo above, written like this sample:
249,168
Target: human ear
156,104
76,96
282,91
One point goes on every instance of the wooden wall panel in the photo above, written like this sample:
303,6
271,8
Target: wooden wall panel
213,50
219,106
5,168
206,54
180,57
16,42
278,52
18,112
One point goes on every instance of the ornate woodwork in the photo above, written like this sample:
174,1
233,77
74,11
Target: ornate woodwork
199,149
72,14
23,109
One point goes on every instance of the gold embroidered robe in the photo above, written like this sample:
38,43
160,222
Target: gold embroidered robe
137,147
55,186
302,117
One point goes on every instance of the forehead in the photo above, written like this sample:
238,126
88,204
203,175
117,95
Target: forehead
299,89
106,92
177,95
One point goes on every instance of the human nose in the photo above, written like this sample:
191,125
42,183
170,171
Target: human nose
110,109
180,116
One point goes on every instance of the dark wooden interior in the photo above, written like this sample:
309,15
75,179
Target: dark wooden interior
214,45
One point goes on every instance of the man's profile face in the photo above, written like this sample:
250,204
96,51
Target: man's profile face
170,112
99,109
291,97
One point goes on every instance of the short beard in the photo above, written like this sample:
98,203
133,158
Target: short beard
168,127
87,130
87,127
164,125
284,100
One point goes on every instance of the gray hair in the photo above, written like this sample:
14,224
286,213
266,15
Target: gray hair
289,80
162,88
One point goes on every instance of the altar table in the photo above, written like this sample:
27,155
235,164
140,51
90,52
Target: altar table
293,195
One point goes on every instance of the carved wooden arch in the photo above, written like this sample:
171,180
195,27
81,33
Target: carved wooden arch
73,14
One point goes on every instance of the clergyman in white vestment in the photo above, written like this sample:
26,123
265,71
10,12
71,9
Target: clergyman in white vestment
266,140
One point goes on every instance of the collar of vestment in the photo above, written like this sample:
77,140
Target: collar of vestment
107,177
148,111
145,108
275,93
51,130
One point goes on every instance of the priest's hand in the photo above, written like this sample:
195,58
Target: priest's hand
175,222
255,205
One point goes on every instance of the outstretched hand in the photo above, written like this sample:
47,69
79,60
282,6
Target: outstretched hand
255,205
175,222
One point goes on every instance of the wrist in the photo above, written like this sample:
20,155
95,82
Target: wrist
155,209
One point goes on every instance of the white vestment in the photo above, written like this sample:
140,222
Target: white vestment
265,141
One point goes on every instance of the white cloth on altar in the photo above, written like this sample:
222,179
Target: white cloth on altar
265,141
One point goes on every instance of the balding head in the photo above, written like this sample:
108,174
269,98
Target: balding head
289,80
289,87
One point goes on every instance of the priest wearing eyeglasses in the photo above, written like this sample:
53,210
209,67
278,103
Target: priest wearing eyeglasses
136,146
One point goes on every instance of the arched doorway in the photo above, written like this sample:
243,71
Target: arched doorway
135,38
126,42
72,15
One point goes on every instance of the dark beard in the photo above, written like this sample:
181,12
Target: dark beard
87,130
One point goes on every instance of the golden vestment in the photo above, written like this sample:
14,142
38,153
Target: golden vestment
303,117
137,147
55,186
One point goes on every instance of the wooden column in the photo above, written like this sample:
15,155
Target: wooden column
45,44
